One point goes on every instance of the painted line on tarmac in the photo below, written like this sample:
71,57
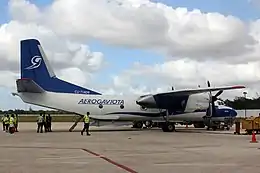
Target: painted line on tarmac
110,161
71,148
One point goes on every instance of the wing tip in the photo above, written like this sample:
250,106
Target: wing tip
238,87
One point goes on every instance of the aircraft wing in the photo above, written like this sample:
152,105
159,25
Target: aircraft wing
198,90
170,99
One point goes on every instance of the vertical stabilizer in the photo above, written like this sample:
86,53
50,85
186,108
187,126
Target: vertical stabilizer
35,66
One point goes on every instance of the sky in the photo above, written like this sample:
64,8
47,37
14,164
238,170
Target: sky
135,46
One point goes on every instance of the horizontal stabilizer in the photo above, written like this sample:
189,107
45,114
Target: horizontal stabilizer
28,85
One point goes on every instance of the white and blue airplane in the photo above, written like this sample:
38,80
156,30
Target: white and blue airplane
40,86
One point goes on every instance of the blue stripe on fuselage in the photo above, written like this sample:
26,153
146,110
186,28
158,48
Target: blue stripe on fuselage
226,112
221,112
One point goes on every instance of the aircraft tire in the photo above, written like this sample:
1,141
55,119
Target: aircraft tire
199,125
148,123
138,124
168,127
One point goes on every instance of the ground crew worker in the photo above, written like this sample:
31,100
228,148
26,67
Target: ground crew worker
11,124
16,122
6,120
86,124
48,121
40,123
2,119
44,123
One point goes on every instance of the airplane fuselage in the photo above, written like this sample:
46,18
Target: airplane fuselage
120,107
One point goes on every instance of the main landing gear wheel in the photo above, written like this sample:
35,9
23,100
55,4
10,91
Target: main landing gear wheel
168,127
214,128
138,124
148,124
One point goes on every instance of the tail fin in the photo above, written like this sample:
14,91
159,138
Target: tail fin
35,66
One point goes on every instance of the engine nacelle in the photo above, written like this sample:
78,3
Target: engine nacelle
147,101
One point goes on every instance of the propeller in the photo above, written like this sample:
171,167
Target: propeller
212,99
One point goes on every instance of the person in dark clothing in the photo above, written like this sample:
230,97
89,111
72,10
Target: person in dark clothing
48,121
86,124
11,124
40,123
7,122
3,122
16,122
44,123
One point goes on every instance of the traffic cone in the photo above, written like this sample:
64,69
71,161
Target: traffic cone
253,138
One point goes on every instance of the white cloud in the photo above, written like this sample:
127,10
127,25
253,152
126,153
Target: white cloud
190,74
74,75
24,10
7,79
144,24
190,40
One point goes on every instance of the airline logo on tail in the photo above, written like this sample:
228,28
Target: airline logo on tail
36,62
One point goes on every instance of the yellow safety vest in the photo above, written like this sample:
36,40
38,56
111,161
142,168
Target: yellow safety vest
15,120
6,120
86,119
11,121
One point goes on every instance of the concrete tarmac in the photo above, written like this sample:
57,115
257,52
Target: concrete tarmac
122,149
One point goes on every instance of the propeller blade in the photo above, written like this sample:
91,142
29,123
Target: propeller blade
218,93
212,99
208,83
213,108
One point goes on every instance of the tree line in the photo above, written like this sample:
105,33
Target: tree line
243,103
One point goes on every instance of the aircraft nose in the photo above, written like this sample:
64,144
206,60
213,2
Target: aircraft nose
233,112
227,111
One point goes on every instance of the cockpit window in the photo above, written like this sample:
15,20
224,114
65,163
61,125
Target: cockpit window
220,103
